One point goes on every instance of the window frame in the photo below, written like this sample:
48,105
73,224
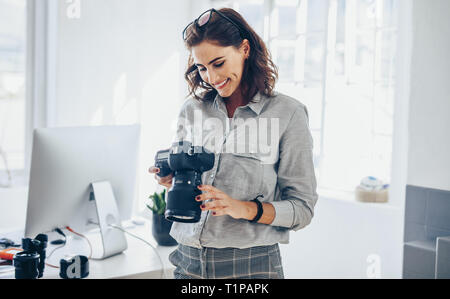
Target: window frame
328,55
16,176
40,73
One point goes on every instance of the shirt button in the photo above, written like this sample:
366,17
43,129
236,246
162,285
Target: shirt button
211,176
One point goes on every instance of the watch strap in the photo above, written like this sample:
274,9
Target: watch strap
260,209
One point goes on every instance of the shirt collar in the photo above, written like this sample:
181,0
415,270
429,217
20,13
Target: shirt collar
256,105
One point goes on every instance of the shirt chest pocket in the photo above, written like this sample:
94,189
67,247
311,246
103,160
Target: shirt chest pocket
240,175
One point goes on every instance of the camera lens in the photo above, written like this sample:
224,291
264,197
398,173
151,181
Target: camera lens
183,207
181,203
26,265
187,163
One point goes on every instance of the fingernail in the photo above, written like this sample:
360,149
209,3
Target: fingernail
214,213
157,170
197,198
202,206
200,186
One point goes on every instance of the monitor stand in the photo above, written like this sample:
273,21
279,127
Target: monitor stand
113,239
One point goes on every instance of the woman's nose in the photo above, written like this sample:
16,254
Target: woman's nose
212,77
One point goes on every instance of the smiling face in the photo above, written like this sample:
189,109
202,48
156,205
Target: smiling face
221,67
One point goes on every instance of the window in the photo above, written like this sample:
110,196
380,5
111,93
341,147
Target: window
336,57
12,88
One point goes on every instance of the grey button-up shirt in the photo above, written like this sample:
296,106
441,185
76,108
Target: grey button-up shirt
265,149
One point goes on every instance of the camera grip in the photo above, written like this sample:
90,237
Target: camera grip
164,169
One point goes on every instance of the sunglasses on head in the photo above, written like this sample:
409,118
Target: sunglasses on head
204,18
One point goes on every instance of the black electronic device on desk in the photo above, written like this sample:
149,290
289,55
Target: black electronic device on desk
30,263
28,260
6,243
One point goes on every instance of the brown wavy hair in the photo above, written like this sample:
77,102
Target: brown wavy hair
260,73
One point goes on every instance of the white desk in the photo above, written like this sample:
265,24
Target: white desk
138,261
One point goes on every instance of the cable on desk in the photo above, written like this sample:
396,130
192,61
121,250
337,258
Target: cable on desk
59,231
84,237
139,238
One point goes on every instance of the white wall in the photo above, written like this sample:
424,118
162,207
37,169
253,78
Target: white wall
116,59
429,114
118,63
122,63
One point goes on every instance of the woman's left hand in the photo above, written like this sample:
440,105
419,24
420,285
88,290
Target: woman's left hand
222,203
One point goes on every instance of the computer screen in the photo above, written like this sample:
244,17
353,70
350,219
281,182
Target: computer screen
65,161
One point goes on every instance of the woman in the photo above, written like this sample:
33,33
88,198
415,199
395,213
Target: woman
254,196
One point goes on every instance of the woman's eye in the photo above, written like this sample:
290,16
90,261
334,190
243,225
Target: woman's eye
215,65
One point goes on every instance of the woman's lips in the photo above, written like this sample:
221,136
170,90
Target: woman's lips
224,83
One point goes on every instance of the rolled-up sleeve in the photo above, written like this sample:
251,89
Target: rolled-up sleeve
296,178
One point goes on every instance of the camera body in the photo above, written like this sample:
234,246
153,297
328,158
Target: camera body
187,163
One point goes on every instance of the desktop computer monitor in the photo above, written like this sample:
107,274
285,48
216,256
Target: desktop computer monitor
80,176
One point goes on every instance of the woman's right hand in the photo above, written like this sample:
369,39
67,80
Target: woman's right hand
163,181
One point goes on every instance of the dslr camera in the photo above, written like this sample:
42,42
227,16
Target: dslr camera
187,164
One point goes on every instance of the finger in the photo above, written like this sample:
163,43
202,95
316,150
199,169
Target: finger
166,179
208,188
204,196
165,184
153,169
213,206
210,195
220,211
163,181
212,191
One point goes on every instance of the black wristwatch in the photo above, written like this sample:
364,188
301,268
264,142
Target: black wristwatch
260,209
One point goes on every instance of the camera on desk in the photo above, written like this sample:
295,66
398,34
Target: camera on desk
30,263
187,164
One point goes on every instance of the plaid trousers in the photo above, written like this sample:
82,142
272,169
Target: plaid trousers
260,262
